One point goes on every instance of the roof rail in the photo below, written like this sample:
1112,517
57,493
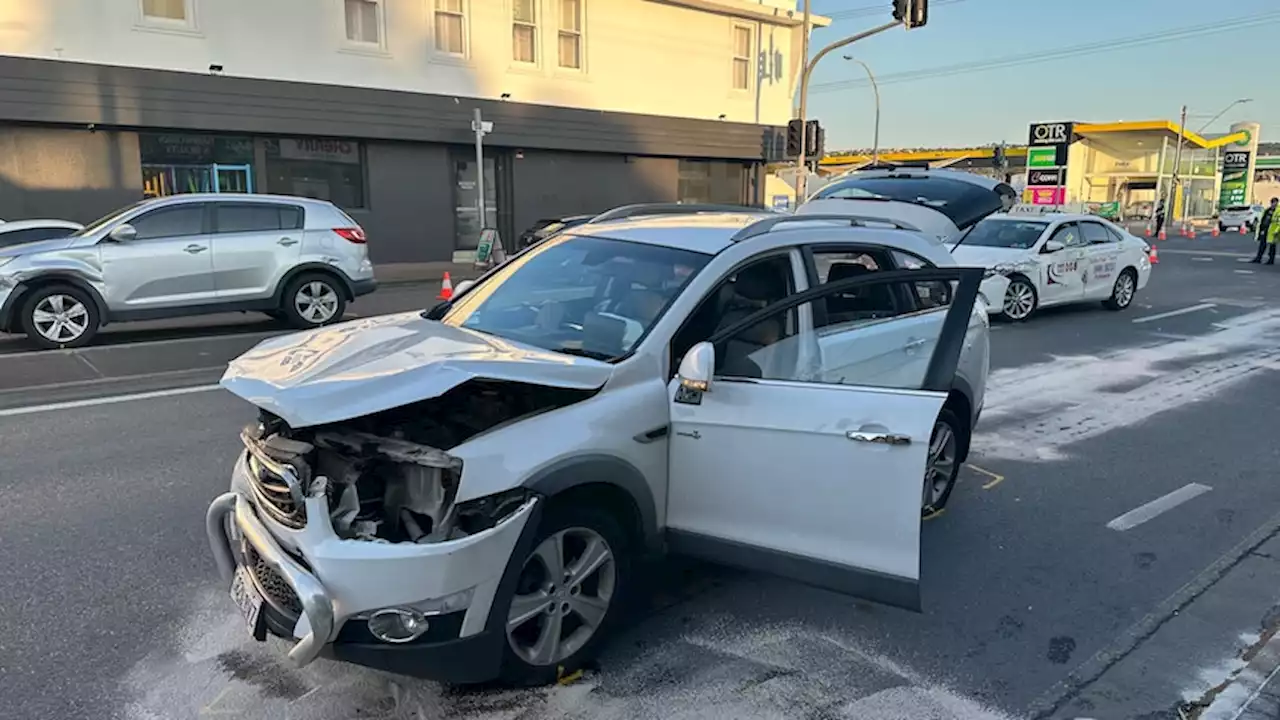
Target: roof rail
641,209
766,225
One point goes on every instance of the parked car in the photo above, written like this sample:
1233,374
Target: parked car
293,258
1055,259
464,493
25,231
547,227
1140,210
1232,218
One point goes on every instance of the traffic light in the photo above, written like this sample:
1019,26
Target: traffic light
795,137
815,140
911,13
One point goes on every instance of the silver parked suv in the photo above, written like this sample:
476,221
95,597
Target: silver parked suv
292,258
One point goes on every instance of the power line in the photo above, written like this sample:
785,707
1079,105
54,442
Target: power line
878,9
1110,45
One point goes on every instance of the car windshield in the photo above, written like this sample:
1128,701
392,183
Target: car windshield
964,203
1014,234
587,296
103,221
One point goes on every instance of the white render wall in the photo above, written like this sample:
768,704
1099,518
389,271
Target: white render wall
641,56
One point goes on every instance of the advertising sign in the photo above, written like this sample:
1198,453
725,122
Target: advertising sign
1239,161
1052,177
321,150
1042,157
1048,195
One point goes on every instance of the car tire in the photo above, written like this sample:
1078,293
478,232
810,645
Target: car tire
943,464
79,320
1222,228
312,300
1024,289
1123,292
577,527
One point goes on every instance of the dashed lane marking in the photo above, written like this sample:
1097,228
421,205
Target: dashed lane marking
1175,313
1202,259
996,478
1160,505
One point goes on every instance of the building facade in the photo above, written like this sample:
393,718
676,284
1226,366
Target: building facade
369,104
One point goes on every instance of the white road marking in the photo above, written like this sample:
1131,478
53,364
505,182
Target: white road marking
1036,412
109,400
1160,505
1175,313
1202,259
1244,272
1216,253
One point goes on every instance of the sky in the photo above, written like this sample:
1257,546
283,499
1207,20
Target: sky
1126,69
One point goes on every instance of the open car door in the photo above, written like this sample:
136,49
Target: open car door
781,464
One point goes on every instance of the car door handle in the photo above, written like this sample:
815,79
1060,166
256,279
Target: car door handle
193,249
881,438
690,434
287,241
914,344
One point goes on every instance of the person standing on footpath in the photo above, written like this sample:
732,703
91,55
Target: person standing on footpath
1266,238
1159,216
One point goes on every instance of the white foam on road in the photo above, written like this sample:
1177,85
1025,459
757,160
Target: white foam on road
1034,412
718,670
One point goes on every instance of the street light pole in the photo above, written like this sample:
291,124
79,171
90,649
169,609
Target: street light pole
875,88
802,173
1241,101
808,72
1175,186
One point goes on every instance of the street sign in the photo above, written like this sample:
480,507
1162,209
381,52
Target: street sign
1042,157
1052,176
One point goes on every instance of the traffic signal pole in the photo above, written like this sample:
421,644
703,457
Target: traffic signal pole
803,174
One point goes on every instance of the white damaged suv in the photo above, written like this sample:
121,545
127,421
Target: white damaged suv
464,493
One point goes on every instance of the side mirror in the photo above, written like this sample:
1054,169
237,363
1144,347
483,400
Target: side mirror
463,286
696,367
123,233
1053,246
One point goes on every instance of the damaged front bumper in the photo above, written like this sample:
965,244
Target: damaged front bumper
335,585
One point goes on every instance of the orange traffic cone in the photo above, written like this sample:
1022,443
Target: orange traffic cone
1162,236
1154,256
1241,229
1215,232
446,288
1148,229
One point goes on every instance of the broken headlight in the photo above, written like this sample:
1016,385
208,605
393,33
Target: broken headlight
484,513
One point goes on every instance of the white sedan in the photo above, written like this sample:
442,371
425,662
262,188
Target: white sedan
1042,260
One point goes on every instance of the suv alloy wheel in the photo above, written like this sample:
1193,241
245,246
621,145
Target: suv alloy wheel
59,316
312,300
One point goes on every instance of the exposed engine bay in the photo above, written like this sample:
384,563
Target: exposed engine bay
388,477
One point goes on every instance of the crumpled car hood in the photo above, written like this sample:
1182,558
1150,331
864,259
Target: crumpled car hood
366,366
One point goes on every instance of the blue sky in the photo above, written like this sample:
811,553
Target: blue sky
1131,82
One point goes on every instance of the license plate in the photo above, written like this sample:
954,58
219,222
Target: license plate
247,598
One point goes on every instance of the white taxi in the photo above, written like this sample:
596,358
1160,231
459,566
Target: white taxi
1053,259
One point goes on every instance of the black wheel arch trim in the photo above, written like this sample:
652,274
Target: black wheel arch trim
9,319
602,470
347,284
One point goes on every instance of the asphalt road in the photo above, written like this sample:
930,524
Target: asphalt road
1034,605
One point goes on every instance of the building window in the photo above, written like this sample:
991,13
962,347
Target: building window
451,27
741,57
177,163
169,13
712,181
571,34
524,31
364,21
320,168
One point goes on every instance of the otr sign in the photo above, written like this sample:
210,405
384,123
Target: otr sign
1051,134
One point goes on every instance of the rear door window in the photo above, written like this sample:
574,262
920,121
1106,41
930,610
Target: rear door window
255,217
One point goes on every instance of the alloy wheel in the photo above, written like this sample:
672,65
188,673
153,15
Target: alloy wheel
563,594
942,463
60,318
316,302
1019,300
1124,290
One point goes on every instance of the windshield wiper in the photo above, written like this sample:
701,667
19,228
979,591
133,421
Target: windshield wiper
582,352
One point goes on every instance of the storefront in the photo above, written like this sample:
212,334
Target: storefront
406,170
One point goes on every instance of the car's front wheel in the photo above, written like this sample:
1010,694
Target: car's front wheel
60,316
1123,291
944,463
567,594
1020,299
313,300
